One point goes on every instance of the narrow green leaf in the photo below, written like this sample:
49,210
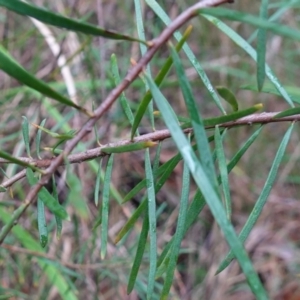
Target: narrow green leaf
233,116
261,201
42,225
129,147
19,162
10,66
198,202
47,198
228,96
223,171
293,92
58,220
156,161
158,80
105,205
152,224
141,34
57,20
249,49
139,254
288,112
208,192
189,53
261,46
98,181
197,122
130,223
234,15
25,132
38,139
123,100
54,276
184,201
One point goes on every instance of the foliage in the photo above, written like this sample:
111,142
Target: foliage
79,198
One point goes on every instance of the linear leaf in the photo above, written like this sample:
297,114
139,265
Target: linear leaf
19,162
228,96
234,15
42,225
129,147
97,186
179,234
123,100
208,191
198,202
105,205
25,132
46,197
197,122
288,112
10,66
57,20
249,49
56,279
261,201
189,53
158,80
152,224
141,34
261,46
223,171
139,254
58,220
38,139
130,223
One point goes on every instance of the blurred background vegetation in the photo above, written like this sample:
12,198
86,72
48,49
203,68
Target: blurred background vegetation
273,245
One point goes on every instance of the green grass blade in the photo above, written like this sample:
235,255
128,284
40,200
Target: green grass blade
25,132
189,53
184,201
256,211
152,224
42,225
261,46
38,139
123,100
158,80
57,20
98,181
208,192
46,197
223,172
139,254
249,49
197,122
58,220
105,205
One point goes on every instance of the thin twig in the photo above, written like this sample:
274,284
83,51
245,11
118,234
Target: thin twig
160,135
